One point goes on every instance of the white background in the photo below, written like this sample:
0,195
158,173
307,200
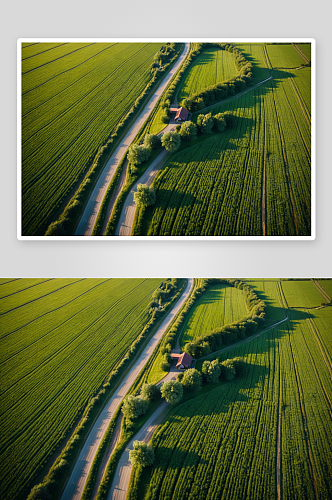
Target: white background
163,18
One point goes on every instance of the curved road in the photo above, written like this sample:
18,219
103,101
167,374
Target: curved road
88,219
78,477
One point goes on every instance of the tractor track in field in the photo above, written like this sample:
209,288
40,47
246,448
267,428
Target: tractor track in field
321,290
304,57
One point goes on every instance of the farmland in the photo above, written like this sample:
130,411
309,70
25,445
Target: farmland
211,66
60,340
265,434
73,97
254,178
219,305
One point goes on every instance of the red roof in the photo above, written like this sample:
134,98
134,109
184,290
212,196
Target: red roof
184,360
181,113
175,355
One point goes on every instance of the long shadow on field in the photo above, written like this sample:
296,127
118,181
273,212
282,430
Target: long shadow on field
175,198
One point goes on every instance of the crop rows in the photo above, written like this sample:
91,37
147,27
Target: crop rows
211,66
224,444
55,353
215,187
219,305
301,294
69,109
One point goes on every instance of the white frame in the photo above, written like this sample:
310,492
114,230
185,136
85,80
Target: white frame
312,41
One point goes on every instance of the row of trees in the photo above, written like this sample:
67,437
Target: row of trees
221,90
171,92
228,334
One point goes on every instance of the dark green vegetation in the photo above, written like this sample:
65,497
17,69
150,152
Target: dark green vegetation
265,434
62,341
254,178
74,97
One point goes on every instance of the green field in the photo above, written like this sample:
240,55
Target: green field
60,339
219,305
73,96
327,285
227,443
211,66
301,294
215,187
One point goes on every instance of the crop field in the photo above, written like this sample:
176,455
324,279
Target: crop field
73,96
327,285
60,339
218,186
266,434
254,52
301,294
211,66
219,305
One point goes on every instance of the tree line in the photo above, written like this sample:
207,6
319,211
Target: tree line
221,90
228,334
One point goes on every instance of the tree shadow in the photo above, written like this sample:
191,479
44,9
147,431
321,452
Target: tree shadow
167,198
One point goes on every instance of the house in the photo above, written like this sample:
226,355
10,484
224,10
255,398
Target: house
183,361
181,114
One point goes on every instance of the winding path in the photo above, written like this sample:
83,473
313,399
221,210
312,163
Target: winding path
78,477
88,219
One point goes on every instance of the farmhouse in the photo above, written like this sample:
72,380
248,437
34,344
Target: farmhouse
183,361
181,114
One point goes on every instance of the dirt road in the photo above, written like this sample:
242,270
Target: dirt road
76,482
121,479
88,219
125,224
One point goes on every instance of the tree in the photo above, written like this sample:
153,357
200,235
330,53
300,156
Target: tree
134,406
144,196
227,369
229,117
219,122
137,154
39,492
152,141
172,391
142,454
165,366
171,141
188,131
192,380
211,370
150,392
239,365
205,123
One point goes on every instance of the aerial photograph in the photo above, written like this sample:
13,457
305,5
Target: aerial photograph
162,138
166,388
